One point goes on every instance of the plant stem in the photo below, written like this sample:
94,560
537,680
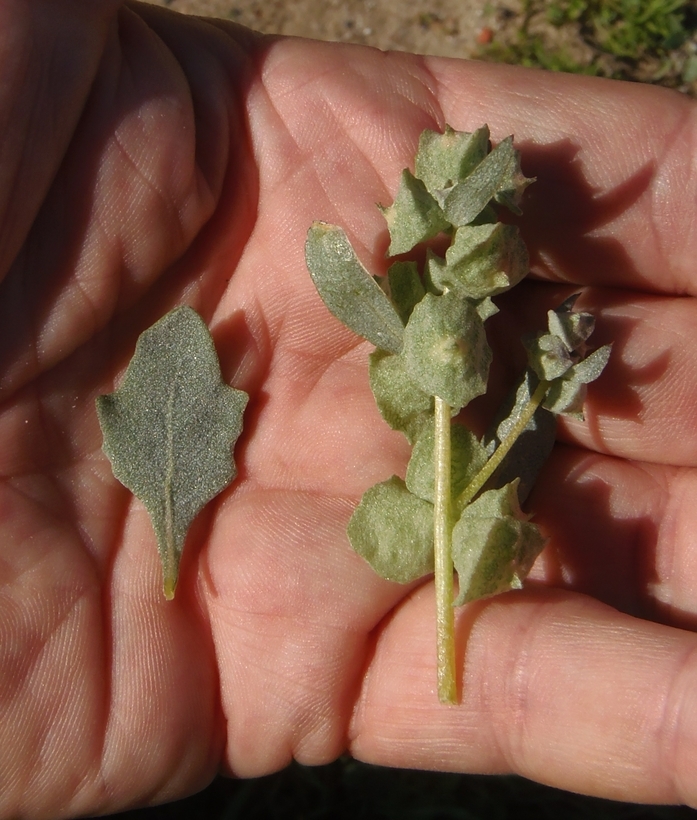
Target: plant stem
504,447
442,531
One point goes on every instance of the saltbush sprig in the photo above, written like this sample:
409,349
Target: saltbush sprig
458,507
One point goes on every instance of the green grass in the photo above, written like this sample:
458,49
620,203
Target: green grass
348,790
532,51
651,41
629,29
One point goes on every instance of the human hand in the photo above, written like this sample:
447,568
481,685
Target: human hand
149,159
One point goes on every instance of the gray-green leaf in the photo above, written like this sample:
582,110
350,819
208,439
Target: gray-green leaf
566,397
405,288
445,349
170,428
494,545
393,530
573,328
483,260
444,159
402,404
414,216
498,177
548,356
348,290
567,394
468,457
588,369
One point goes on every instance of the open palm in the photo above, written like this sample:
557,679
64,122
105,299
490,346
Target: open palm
148,160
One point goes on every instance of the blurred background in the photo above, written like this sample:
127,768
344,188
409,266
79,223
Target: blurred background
652,41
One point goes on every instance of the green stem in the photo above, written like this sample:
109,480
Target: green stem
504,447
443,527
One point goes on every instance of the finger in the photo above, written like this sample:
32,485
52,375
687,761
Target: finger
613,160
108,694
644,405
556,687
143,173
614,164
620,531
49,55
290,607
331,129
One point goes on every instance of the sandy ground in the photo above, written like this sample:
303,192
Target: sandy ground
447,28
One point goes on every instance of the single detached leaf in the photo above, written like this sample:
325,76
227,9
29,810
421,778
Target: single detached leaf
393,530
170,428
494,545
405,288
348,290
468,457
444,159
483,260
445,349
498,177
402,404
413,217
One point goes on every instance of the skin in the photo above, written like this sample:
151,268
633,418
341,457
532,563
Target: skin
148,160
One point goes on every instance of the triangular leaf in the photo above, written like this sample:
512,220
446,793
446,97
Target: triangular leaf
393,530
467,459
413,217
483,260
497,177
567,395
170,427
401,402
348,290
405,287
573,328
588,369
548,356
494,545
445,349
514,182
444,159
